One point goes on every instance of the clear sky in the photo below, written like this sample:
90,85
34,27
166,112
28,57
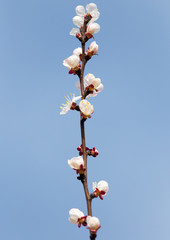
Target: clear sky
130,126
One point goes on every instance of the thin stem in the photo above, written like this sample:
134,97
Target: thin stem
93,236
86,191
85,185
82,126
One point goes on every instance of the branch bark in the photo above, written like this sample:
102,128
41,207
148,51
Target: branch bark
82,127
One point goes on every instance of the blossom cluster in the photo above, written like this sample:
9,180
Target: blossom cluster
89,86
73,63
77,217
91,16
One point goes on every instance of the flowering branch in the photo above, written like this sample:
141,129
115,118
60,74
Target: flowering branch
88,86
88,198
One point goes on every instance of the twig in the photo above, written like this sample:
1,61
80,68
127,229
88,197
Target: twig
82,127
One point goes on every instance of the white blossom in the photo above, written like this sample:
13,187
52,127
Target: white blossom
93,49
91,84
72,63
100,189
77,163
90,79
93,28
94,83
70,103
91,9
77,51
80,10
77,217
74,31
86,108
78,20
93,223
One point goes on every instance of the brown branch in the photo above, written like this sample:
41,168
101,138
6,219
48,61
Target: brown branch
86,191
93,236
82,123
82,126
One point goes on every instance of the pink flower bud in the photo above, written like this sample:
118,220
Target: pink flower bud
78,35
81,150
94,152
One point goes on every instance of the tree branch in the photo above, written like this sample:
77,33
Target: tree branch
82,125
93,236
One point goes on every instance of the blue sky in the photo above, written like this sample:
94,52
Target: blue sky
130,126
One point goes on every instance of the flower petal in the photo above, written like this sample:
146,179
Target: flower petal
89,78
64,111
74,31
97,27
76,162
80,10
75,213
78,21
93,222
76,98
85,107
71,61
77,51
100,87
66,64
96,82
91,7
93,28
103,186
95,15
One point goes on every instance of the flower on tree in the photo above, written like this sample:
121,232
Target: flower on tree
93,224
91,29
91,84
72,63
93,152
77,217
70,103
77,163
100,189
91,9
92,50
86,108
81,150
78,52
91,15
